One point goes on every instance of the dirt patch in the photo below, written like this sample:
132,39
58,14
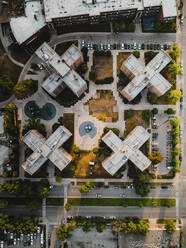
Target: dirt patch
134,121
120,58
103,67
82,165
102,107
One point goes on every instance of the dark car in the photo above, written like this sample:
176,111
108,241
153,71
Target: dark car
105,47
95,46
155,46
151,46
148,46
165,47
164,187
125,46
181,99
181,91
142,46
158,46
180,157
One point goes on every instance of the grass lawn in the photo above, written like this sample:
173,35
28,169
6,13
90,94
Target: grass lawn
103,106
121,57
7,67
55,201
147,202
135,120
162,221
103,66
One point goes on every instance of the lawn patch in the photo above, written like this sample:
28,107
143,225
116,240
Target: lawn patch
103,66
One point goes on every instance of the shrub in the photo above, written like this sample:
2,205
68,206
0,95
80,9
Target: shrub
25,88
129,113
170,226
155,111
92,75
95,150
34,66
58,179
107,80
67,206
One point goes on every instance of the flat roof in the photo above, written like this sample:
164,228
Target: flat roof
66,8
145,75
76,83
23,27
46,149
50,57
52,82
71,55
127,149
4,153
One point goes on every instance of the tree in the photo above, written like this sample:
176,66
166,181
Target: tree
170,111
67,206
129,113
76,150
6,87
154,111
33,205
34,124
172,96
146,114
174,68
25,88
3,203
45,192
170,225
175,151
100,227
155,157
175,122
95,150
176,169
34,66
92,76
116,27
85,188
175,52
122,27
175,132
63,232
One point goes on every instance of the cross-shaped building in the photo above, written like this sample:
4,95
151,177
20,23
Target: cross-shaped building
145,76
44,149
127,149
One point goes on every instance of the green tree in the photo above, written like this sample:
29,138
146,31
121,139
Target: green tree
175,132
34,124
172,96
33,205
25,88
174,68
34,66
170,226
45,192
136,54
170,111
176,169
154,111
92,76
122,27
3,203
175,52
155,157
6,87
85,188
63,232
175,122
175,151
95,150
67,206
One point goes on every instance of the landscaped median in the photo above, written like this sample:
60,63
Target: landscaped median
144,202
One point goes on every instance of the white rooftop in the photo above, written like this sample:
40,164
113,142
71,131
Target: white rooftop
50,57
4,153
65,8
127,149
23,27
46,149
71,55
71,78
146,75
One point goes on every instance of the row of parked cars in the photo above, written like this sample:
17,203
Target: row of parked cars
16,239
125,46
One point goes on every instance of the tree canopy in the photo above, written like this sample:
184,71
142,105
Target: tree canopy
25,88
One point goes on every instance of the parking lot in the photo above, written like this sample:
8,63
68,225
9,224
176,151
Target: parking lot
126,46
18,240
162,142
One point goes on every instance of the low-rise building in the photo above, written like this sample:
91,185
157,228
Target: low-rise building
44,149
61,69
145,76
126,150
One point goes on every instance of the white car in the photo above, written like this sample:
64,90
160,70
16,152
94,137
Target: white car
139,46
82,43
182,19
108,46
122,46
135,45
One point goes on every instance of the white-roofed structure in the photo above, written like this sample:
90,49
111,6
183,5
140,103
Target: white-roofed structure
56,9
24,27
142,76
126,150
62,73
44,149
72,57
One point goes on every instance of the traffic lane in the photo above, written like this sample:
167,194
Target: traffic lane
146,212
21,210
112,192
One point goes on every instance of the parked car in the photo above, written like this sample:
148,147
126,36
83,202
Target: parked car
181,106
123,195
165,46
122,46
142,46
182,19
108,47
164,187
82,43
95,46
125,46
139,46
135,46
148,46
98,195
105,47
